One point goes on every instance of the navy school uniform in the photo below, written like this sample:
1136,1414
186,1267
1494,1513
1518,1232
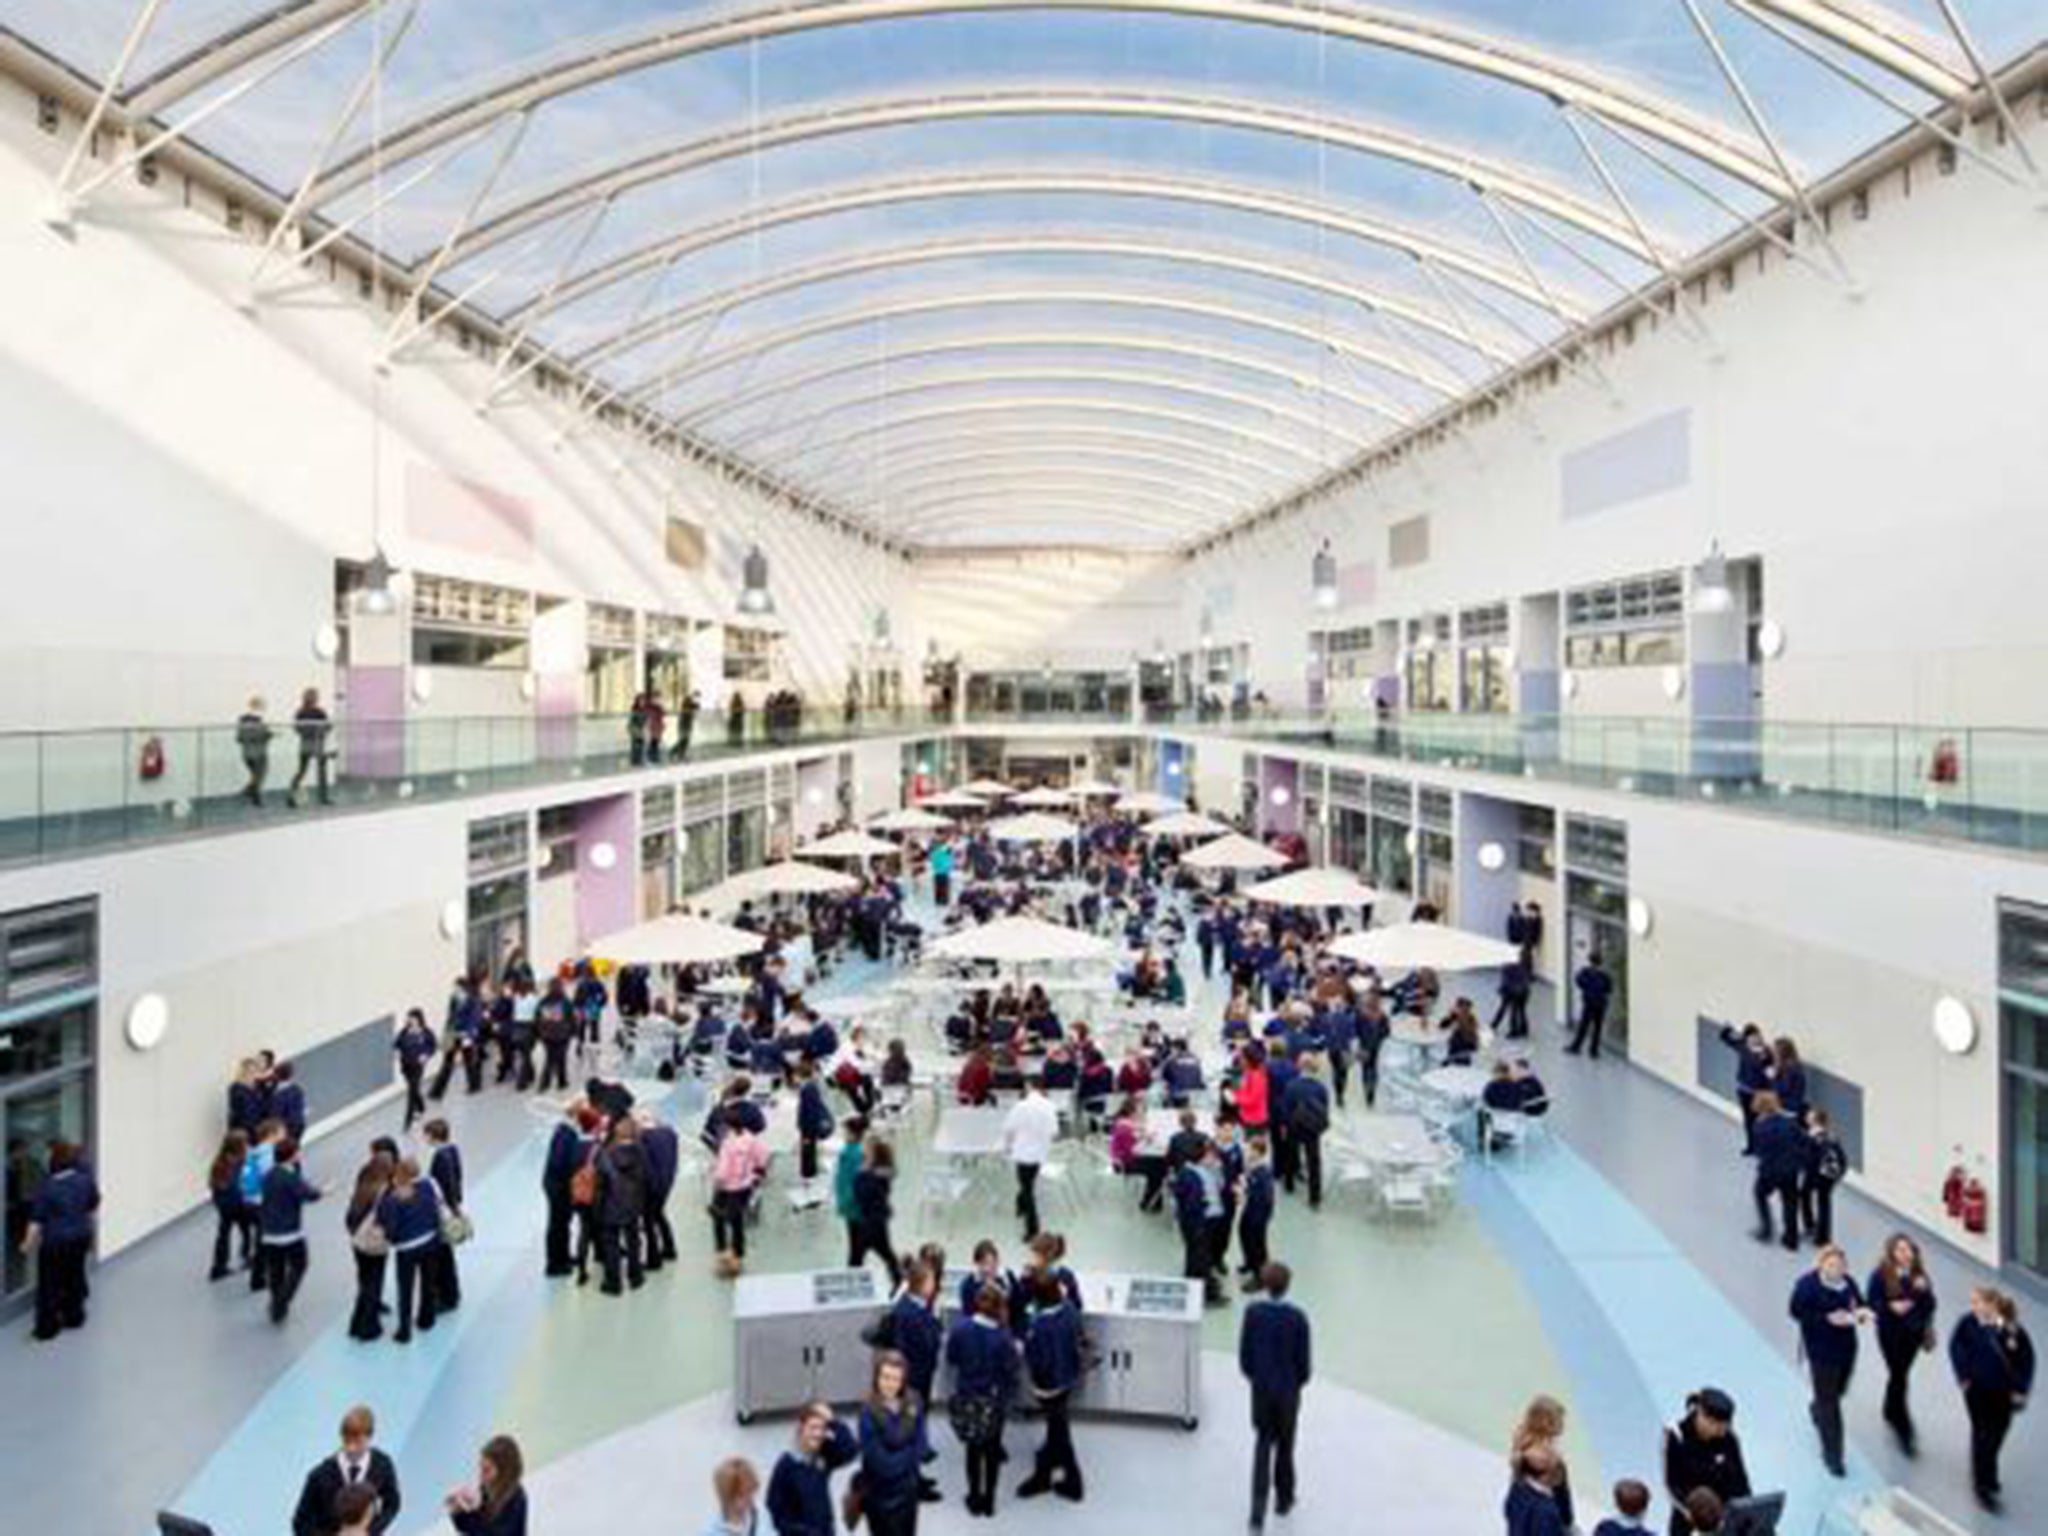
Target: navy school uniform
286,1194
664,1156
1532,1511
892,1450
245,1108
1052,1348
813,1115
1825,1343
972,1286
445,1169
983,1358
288,1104
800,1489
914,1331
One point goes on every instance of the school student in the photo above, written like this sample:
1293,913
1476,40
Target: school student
1029,1131
569,1149
663,1147
800,1487
1994,1364
1531,1508
1052,1358
813,1120
358,1464
371,1248
846,1166
232,1219
286,1194
1197,1204
444,1172
414,1047
1273,1350
59,1235
495,1505
1902,1297
892,1449
1631,1504
410,1217
1255,1218
1703,1453
735,1485
1827,1164
1306,1106
869,1230
1541,1429
1780,1162
1829,1309
982,1352
621,1206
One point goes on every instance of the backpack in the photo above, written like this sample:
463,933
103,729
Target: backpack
583,1182
1310,1115
1832,1163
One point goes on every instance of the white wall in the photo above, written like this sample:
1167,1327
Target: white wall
1080,609
183,472
1882,453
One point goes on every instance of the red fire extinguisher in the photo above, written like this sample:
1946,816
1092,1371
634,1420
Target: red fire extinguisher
1976,1206
1952,1190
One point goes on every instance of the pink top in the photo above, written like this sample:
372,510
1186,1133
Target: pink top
742,1160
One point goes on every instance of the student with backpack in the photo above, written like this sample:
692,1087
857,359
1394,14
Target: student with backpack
1827,1164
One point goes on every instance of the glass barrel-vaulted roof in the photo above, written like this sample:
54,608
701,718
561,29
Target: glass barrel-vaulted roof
980,272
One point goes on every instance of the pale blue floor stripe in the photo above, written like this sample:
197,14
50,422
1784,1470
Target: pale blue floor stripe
1677,1330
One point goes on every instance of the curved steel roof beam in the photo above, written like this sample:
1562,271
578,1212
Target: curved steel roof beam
1237,197
752,442
1127,511
1144,489
996,523
895,356
1874,32
982,441
655,326
1085,407
1615,97
1515,183
1133,299
1042,456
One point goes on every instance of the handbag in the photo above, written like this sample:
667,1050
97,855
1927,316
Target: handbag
369,1240
456,1228
976,1420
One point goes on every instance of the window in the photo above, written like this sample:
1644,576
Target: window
557,842
1596,845
657,807
1536,841
31,1047
495,844
1434,807
2023,1033
46,950
1638,622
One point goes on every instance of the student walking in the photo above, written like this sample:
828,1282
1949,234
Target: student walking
252,738
369,1245
1829,1309
741,1163
869,1229
286,1194
1781,1154
233,1225
312,726
414,1047
1273,1350
1994,1364
1029,1131
1902,1297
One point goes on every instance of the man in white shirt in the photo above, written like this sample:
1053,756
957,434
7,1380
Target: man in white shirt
1029,1131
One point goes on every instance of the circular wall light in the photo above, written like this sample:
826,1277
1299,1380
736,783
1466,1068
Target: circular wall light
1955,1026
1173,769
326,642
460,781
1770,639
422,685
180,809
603,856
814,796
1640,918
454,918
405,789
1673,680
149,1019
1568,684
1492,856
1280,794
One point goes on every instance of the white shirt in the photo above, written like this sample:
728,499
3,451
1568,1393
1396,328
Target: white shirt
1031,1128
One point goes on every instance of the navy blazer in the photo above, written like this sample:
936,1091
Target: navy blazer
1052,1349
1273,1350
1812,1301
800,1490
1258,1198
660,1145
445,1169
1780,1144
64,1204
915,1332
286,1194
1531,1511
984,1359
892,1447
1991,1359
510,1520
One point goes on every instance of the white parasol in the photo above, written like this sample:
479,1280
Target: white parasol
992,789
1235,851
1045,799
1185,824
1148,803
1316,887
677,939
1424,946
1019,941
911,819
848,845
1034,827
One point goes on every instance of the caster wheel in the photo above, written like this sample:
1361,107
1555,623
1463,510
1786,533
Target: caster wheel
1191,1424
744,1419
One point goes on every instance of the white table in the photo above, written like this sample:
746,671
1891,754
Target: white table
1393,1141
728,986
1460,1085
970,1131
